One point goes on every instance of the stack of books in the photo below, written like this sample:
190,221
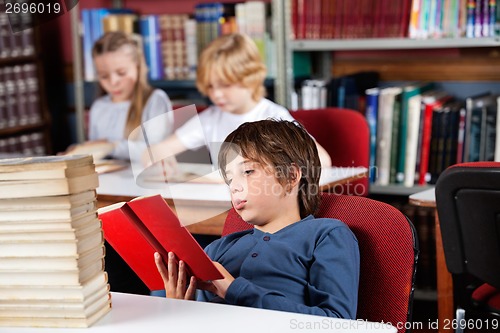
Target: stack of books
51,243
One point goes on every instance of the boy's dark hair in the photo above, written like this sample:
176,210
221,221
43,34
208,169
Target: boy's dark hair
282,145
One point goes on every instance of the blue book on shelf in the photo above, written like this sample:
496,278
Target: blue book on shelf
150,31
371,117
88,64
92,31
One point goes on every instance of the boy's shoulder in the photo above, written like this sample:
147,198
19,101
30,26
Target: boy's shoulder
323,226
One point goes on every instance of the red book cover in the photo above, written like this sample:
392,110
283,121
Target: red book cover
428,108
301,19
138,228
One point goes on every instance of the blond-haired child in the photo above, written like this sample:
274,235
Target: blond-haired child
128,100
231,73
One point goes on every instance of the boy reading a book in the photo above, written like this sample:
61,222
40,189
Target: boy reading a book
290,261
231,73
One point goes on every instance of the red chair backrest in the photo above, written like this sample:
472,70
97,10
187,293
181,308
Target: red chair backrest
388,252
345,135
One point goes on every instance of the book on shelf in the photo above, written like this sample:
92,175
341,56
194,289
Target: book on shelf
478,108
384,133
403,173
120,22
145,225
372,97
396,128
92,30
430,100
497,138
175,32
149,27
51,245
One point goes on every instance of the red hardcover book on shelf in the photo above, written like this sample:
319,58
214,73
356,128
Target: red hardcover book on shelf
429,102
139,228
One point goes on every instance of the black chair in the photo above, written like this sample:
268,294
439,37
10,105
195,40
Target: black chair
468,205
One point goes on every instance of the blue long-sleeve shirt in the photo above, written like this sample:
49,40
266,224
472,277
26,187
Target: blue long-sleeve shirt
311,266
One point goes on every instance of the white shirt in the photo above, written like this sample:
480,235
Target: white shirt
108,119
213,125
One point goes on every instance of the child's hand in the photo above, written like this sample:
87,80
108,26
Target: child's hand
175,277
218,287
99,149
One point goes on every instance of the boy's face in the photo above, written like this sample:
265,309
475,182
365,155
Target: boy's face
230,97
256,194
117,73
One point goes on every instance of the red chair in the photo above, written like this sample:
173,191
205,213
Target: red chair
468,206
345,135
388,250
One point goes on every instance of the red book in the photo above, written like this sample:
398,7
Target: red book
429,103
139,228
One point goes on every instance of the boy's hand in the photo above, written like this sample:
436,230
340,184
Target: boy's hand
175,277
218,287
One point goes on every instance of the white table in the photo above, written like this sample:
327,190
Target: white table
201,207
121,183
135,314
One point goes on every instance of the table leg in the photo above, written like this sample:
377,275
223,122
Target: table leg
444,283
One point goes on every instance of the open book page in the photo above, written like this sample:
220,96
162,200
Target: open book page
98,149
111,165
172,172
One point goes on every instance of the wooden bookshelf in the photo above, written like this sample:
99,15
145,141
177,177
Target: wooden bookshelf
22,82
390,43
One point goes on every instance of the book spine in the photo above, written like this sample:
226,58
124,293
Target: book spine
191,52
15,36
10,97
426,144
88,64
418,159
372,97
26,33
478,18
492,17
482,134
21,96
395,151
455,116
412,140
461,136
150,32
384,136
3,101
436,118
4,33
471,18
475,136
32,91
